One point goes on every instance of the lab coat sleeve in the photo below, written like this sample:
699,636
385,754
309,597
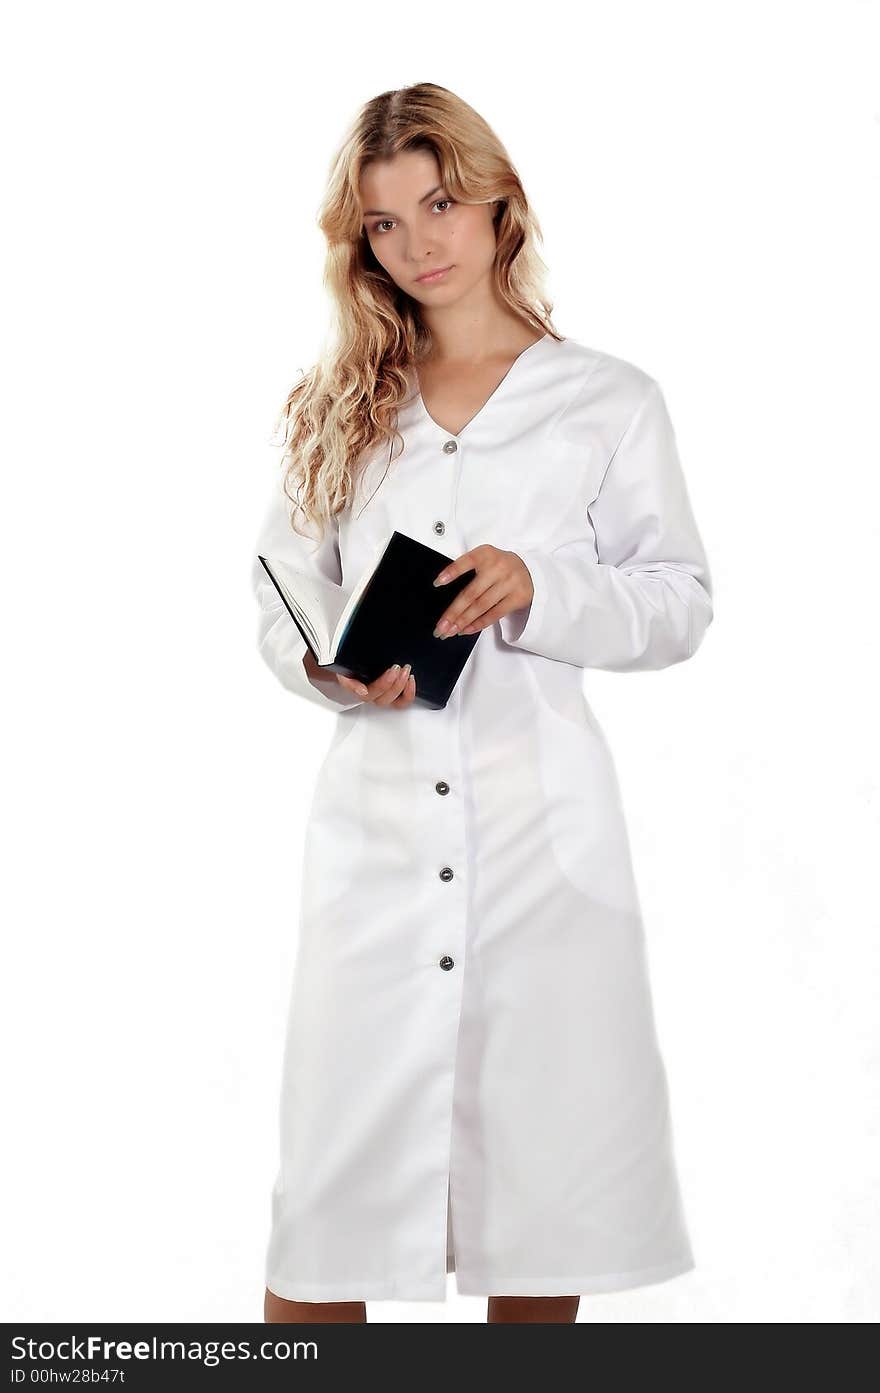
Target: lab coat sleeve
279,641
647,601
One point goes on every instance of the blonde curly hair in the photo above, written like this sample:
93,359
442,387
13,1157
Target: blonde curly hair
347,404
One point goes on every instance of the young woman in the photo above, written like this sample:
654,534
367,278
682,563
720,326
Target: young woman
472,1079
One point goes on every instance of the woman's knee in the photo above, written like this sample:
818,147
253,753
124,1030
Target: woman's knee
277,1310
532,1310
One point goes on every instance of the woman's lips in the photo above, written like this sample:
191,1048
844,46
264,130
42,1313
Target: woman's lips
434,276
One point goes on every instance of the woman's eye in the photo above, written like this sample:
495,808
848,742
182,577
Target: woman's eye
377,227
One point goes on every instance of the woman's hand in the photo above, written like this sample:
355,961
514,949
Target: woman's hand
395,687
502,584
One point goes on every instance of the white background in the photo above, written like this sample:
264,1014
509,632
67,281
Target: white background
706,182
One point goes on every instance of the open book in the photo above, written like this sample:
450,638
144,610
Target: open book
388,617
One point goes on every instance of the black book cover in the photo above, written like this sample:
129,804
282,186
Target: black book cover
395,620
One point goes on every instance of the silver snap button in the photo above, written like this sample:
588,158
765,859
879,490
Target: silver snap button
439,528
442,786
446,963
446,873
450,447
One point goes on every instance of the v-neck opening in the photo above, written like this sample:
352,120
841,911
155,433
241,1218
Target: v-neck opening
456,435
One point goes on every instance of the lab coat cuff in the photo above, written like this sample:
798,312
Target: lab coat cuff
332,691
521,625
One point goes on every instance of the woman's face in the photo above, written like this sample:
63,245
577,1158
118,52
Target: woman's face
413,227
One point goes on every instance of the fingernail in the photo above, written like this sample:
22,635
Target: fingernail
441,578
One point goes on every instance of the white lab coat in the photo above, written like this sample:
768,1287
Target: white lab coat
505,1117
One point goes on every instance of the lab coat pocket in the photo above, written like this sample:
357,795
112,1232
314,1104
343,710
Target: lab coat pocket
550,509
579,467
345,724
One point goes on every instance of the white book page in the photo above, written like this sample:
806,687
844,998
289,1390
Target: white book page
317,602
344,618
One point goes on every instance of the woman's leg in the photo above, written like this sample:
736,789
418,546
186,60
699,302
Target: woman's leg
532,1310
278,1311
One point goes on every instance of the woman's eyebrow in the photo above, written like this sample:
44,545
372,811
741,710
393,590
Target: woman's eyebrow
383,212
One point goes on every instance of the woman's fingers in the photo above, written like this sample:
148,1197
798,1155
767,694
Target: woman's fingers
409,692
351,684
391,685
395,687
